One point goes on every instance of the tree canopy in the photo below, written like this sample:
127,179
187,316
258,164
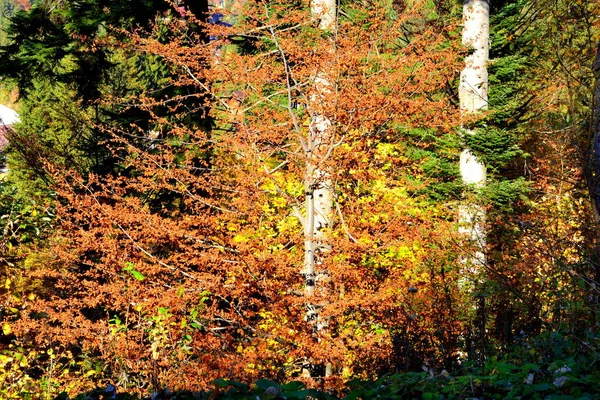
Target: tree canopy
220,194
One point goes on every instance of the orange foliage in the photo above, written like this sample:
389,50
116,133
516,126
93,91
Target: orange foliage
183,264
24,4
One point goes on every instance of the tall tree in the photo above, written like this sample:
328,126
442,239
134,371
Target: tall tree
473,94
595,129
536,217
318,185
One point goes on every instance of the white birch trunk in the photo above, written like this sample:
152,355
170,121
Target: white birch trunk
473,94
318,185
318,188
325,11
317,182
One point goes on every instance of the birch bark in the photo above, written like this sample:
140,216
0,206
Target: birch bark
318,184
473,95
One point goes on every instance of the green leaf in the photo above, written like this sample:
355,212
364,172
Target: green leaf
292,386
265,384
225,383
529,367
505,368
136,274
300,394
541,387
221,383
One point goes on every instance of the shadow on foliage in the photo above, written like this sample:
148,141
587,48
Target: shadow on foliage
224,389
552,365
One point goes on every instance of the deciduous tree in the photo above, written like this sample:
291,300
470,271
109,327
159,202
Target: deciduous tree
181,264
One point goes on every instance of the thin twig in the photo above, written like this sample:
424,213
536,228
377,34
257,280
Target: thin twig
339,210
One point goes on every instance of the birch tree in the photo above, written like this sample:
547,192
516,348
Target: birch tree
318,185
473,94
317,182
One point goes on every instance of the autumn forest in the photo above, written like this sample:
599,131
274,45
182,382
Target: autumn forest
291,199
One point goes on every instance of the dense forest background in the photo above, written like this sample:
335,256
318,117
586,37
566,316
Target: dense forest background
221,196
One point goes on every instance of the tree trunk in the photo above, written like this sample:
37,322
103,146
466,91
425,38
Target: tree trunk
325,12
594,180
594,171
318,186
473,94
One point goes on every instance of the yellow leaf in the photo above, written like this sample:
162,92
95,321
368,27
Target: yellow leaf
21,359
240,239
7,283
279,202
6,329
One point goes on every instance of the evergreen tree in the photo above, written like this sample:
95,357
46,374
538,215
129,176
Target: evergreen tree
69,52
